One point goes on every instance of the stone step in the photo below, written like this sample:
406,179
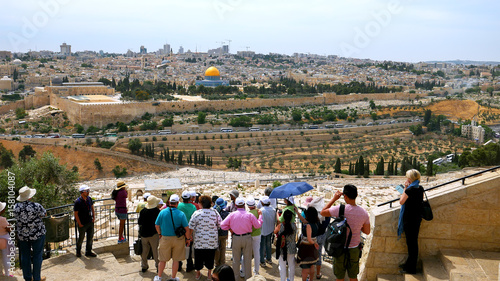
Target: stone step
433,269
488,264
390,277
470,265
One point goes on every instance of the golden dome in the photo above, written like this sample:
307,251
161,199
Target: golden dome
212,71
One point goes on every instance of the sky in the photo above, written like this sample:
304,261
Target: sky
397,30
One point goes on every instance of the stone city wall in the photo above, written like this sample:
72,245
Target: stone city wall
80,90
466,217
102,114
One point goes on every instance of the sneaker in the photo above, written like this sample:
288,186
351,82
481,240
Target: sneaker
122,240
269,262
90,254
263,264
144,270
78,254
157,278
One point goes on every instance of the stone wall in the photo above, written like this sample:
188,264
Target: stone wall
466,217
102,114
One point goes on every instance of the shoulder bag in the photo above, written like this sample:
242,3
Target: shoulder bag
426,209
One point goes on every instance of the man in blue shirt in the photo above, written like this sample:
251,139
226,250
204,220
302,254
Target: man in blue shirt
171,246
268,224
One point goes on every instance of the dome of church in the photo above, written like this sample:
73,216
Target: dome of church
212,71
17,62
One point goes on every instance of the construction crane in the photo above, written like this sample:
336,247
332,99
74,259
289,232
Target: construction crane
229,46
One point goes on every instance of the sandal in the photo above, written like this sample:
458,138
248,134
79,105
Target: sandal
197,277
318,276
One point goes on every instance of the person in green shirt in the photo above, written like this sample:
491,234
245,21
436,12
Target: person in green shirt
255,235
188,209
290,207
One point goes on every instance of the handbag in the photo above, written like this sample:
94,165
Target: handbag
179,231
426,209
138,246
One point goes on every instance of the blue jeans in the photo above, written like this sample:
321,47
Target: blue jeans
265,247
25,253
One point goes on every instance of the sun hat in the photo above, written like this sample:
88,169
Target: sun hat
120,185
240,201
2,206
174,198
186,194
83,187
152,202
235,193
220,202
25,193
309,199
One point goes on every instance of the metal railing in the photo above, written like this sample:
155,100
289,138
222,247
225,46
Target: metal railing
106,223
462,179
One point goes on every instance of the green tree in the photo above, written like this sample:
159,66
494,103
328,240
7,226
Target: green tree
20,113
429,171
134,145
98,165
54,182
380,167
416,129
427,116
296,115
26,153
372,104
168,122
338,166
119,172
79,128
202,117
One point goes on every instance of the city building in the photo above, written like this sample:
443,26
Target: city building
212,78
181,50
6,83
474,132
5,55
143,50
65,49
166,49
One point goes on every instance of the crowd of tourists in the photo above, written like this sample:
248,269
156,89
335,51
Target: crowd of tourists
194,229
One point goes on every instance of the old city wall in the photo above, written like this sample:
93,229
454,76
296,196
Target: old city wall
80,90
466,217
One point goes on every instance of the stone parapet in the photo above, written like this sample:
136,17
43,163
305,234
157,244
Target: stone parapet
466,217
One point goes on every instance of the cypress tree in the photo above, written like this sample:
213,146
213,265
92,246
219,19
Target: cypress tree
338,166
195,157
366,172
429,172
167,156
361,166
396,169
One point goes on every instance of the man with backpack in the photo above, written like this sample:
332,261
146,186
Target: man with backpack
357,220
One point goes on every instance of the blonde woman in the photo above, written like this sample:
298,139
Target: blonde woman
410,217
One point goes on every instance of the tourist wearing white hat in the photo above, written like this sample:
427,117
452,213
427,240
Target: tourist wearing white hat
147,231
188,209
31,233
141,205
241,222
6,245
268,223
256,233
85,217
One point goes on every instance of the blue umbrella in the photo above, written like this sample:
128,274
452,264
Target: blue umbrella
290,189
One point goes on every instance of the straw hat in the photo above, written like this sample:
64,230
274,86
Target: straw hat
152,202
25,193
120,185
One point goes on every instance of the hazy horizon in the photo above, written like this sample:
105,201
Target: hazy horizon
397,30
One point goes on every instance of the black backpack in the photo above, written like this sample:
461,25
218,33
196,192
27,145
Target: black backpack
336,240
114,193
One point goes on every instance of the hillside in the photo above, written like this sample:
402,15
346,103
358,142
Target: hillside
84,160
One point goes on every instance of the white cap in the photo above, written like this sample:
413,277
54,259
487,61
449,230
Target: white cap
186,194
265,200
250,202
239,201
291,199
161,202
146,195
174,198
84,187
193,193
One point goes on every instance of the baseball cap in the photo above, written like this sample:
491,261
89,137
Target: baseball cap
146,195
174,198
251,201
265,200
192,193
240,201
186,194
290,199
84,187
